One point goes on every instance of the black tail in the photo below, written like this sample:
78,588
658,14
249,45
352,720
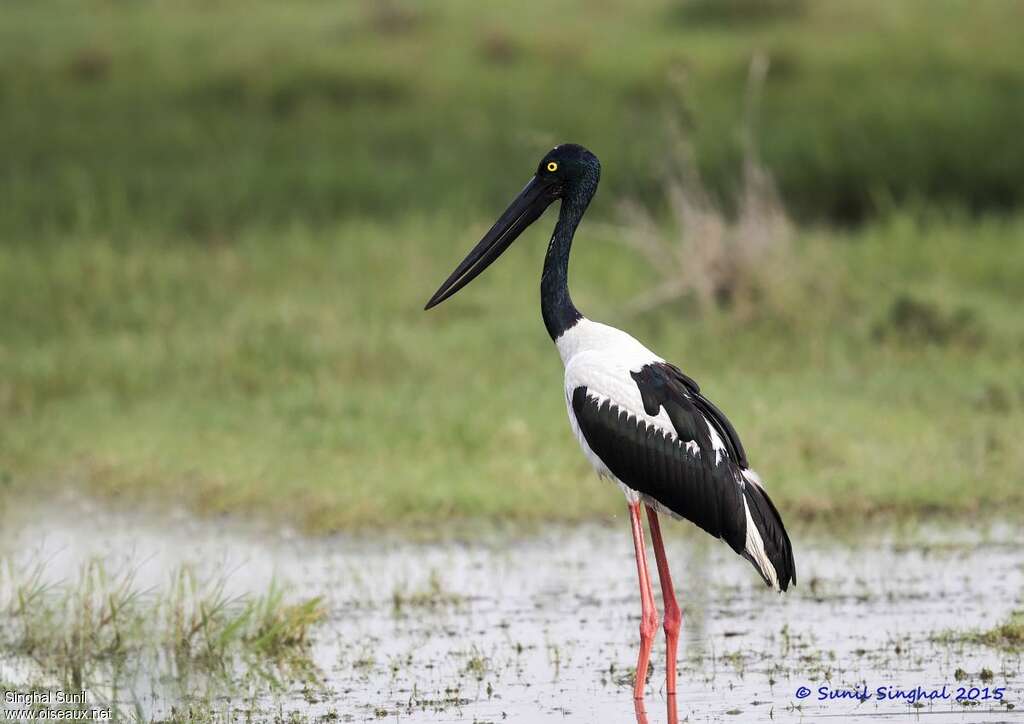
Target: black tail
769,546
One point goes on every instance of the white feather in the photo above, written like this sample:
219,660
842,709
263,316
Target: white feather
716,441
755,549
752,477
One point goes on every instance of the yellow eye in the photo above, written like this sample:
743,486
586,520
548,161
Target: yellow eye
552,166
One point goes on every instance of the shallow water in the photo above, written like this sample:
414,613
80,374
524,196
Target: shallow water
544,628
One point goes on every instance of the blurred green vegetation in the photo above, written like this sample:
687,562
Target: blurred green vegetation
297,374
220,220
209,117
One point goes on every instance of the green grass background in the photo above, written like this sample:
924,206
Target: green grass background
201,118
219,222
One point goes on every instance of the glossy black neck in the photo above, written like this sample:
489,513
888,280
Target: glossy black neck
556,305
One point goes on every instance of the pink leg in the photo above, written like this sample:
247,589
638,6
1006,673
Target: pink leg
673,616
641,713
648,614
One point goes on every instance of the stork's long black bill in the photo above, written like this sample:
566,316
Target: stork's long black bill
531,202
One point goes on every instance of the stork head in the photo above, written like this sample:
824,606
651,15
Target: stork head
568,172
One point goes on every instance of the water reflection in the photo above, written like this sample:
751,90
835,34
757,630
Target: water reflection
671,714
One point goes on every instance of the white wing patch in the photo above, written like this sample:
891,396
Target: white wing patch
752,477
716,441
754,547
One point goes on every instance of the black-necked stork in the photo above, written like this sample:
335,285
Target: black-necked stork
640,421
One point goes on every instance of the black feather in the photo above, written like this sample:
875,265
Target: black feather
660,467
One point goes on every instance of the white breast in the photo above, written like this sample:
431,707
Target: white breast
601,359
589,336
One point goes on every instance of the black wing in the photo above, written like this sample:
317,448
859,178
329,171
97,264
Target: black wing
683,472
665,385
